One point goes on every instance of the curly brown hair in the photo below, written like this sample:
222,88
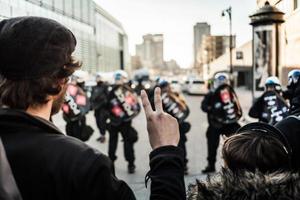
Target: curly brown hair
21,94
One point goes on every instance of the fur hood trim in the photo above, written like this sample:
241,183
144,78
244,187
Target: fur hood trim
246,186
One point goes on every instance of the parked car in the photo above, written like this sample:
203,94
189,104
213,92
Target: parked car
184,86
197,87
175,86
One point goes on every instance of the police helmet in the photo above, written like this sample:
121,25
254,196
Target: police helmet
120,74
273,82
79,76
220,79
293,78
163,83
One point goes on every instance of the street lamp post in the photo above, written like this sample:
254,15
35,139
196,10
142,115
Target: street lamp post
229,13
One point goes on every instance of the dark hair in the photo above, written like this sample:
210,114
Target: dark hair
20,94
255,151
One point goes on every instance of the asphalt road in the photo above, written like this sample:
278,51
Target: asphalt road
196,147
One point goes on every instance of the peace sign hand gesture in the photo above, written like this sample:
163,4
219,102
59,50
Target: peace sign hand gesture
163,129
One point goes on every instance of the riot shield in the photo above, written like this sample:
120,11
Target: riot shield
275,107
175,106
227,108
76,103
123,104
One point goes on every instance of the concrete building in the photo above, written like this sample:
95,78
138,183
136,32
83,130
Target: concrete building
101,40
151,51
213,47
200,30
289,35
242,65
136,63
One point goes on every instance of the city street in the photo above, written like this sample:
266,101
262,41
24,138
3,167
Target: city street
81,58
196,145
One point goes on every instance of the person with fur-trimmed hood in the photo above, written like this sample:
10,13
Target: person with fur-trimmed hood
257,165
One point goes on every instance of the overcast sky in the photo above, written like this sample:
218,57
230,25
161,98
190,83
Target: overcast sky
176,18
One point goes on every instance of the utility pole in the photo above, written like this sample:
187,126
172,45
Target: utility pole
229,13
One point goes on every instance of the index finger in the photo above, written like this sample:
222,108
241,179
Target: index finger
146,103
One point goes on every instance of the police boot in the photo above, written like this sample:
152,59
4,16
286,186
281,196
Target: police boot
131,168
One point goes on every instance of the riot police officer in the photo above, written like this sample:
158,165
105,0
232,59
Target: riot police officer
290,125
120,119
223,112
270,107
75,107
99,98
293,91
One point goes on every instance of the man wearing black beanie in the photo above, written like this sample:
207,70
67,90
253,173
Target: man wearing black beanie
35,63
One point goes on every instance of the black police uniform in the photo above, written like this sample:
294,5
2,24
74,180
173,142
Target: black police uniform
184,128
124,128
77,128
129,135
270,108
99,102
215,129
290,126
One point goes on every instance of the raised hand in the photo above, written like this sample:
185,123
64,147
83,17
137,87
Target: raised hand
163,129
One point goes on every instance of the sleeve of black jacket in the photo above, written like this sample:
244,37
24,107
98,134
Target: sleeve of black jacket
256,109
167,174
206,104
8,186
95,179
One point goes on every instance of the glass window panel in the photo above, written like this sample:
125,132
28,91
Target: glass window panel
77,9
85,10
48,3
59,5
68,8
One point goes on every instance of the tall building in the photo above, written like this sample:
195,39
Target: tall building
102,43
215,46
151,51
200,30
289,35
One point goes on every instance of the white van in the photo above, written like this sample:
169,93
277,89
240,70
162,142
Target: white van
197,86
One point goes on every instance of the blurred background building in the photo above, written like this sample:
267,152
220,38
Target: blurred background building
102,43
151,51
213,46
200,30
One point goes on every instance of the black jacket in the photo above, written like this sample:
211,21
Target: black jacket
294,96
8,186
290,127
49,165
247,186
